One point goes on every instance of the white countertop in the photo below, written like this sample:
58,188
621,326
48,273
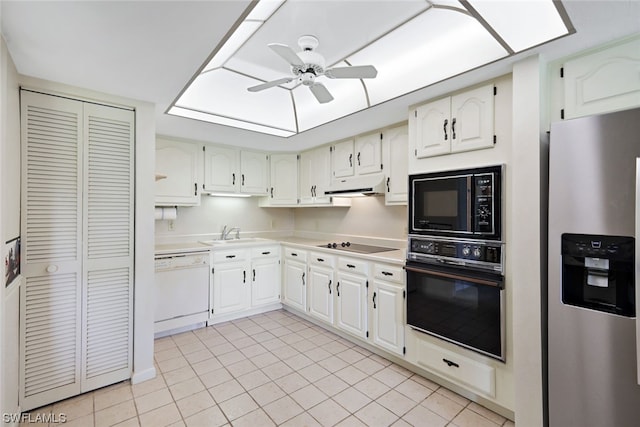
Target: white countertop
395,256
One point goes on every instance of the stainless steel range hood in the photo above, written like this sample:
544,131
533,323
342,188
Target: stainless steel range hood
359,186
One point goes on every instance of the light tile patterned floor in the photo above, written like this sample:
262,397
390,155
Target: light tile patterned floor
272,369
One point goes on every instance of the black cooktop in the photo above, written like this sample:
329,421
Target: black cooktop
355,247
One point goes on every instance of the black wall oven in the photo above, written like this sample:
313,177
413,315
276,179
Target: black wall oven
463,203
465,308
455,258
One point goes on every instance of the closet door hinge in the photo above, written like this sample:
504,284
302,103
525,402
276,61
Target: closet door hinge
495,91
562,72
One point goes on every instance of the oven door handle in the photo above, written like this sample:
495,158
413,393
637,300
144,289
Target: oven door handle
479,281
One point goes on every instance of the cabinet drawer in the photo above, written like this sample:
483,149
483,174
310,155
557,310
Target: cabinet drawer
230,255
294,253
389,273
352,265
265,252
480,377
316,258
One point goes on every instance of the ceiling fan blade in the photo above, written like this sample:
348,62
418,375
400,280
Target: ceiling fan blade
287,54
356,72
321,93
267,85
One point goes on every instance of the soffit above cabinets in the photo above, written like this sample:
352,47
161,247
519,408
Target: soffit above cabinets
412,44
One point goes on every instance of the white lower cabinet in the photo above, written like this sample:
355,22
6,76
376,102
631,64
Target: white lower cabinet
295,278
245,278
321,284
470,373
351,296
231,285
265,275
387,298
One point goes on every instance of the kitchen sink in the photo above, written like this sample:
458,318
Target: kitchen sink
217,242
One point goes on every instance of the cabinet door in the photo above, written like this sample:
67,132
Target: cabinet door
179,170
51,255
221,172
321,174
231,287
295,284
472,119
388,315
603,81
396,146
368,154
321,293
343,159
315,176
254,173
351,304
307,175
433,128
108,246
284,179
265,281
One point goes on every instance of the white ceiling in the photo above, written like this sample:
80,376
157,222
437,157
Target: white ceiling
149,50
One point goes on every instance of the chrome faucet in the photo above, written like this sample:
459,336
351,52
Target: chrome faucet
225,233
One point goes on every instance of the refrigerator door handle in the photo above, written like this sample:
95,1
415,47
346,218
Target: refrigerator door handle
637,267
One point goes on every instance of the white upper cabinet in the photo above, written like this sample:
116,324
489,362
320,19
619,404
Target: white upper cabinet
395,142
254,174
462,122
472,119
221,169
178,173
227,170
342,159
284,179
356,157
368,154
432,128
315,176
604,81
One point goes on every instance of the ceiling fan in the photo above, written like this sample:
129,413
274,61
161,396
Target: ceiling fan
307,64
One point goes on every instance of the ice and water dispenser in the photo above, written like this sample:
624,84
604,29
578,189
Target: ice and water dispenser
598,272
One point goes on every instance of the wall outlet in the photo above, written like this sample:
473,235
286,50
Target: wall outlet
172,225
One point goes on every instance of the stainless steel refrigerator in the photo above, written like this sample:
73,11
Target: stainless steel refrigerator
592,298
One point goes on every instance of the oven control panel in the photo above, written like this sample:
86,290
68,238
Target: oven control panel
474,254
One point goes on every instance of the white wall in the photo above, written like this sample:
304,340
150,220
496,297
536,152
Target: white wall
216,212
367,216
526,234
9,228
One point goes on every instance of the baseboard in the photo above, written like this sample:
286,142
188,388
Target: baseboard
245,313
145,375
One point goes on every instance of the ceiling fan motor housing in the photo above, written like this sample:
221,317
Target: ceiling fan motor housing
313,63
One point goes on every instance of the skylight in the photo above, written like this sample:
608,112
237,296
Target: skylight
411,43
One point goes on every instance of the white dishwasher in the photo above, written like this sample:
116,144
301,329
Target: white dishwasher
182,290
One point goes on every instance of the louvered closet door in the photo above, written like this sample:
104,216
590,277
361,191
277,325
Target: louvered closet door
108,255
50,320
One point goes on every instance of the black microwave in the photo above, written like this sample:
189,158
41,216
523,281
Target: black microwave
462,203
